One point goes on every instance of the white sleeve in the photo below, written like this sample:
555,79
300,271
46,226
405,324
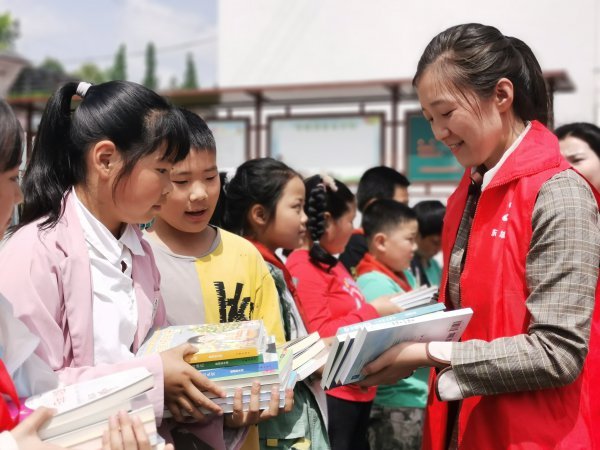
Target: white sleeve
7,441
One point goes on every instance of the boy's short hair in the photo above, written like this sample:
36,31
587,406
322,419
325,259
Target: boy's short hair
201,138
383,215
377,183
430,215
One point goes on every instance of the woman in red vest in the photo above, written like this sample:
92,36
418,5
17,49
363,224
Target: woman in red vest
521,244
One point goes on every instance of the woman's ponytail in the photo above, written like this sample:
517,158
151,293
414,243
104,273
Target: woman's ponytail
54,166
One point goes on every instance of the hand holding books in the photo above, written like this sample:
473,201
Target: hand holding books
26,433
396,363
184,385
126,434
384,305
243,417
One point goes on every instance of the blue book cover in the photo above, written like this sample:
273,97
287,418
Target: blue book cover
408,314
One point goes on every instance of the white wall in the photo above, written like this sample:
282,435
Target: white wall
304,41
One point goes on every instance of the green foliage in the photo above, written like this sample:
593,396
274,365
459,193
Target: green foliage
150,80
91,73
9,31
190,80
119,68
52,65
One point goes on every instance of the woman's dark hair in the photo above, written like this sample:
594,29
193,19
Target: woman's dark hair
257,181
587,132
474,57
321,199
11,138
137,120
430,215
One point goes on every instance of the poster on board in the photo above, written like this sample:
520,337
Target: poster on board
231,136
342,145
428,160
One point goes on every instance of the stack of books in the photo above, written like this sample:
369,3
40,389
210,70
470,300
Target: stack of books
357,345
420,296
233,355
309,354
83,409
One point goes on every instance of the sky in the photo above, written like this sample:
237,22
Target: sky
76,32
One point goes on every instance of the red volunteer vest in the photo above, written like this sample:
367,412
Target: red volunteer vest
493,283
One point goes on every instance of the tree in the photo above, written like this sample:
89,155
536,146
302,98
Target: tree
189,79
52,65
119,68
150,80
9,31
91,73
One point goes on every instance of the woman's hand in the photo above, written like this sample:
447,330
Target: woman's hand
26,433
240,418
184,386
126,434
399,361
384,306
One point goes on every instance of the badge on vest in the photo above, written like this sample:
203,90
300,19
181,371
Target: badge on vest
500,231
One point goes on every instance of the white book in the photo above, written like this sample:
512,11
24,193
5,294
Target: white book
87,402
308,354
90,437
307,369
376,339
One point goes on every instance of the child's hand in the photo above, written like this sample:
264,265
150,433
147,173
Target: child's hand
399,361
241,418
126,434
184,385
384,306
25,434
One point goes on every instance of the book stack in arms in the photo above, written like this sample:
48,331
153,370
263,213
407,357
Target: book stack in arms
83,409
357,345
233,355
309,354
420,296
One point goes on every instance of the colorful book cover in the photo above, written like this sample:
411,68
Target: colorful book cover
229,362
273,362
214,342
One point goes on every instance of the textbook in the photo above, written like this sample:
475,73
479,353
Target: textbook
226,403
229,362
417,297
90,437
91,401
310,353
273,362
214,342
356,349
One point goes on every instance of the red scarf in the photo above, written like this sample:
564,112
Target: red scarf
272,258
370,264
7,388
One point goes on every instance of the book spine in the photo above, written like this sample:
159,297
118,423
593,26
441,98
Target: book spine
248,369
222,355
229,363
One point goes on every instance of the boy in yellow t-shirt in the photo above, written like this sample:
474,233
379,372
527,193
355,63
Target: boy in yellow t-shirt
209,275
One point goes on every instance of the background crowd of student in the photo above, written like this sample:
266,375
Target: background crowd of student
78,270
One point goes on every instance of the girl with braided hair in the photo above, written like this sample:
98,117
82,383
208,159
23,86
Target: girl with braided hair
329,298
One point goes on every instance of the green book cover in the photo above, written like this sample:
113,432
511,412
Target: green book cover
230,362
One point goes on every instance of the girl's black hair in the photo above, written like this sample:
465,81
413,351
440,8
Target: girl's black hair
257,181
474,57
137,120
321,199
587,132
11,138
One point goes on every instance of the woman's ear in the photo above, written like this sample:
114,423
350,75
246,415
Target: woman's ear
504,94
258,215
104,158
